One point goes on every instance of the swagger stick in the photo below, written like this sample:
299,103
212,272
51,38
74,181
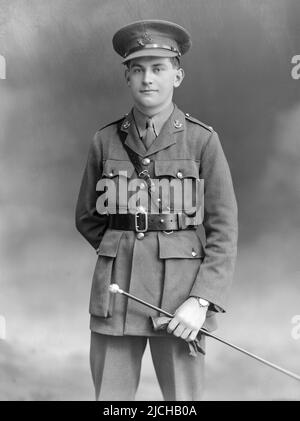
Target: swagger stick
114,289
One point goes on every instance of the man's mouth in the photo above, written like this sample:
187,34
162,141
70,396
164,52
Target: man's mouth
148,90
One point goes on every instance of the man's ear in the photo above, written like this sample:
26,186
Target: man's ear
127,76
178,77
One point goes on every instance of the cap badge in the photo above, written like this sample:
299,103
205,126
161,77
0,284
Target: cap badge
146,38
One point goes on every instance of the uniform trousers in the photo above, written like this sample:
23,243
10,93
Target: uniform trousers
116,366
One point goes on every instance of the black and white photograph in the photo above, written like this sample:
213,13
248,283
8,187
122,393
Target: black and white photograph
150,202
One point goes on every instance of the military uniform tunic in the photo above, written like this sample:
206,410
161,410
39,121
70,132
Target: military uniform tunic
161,268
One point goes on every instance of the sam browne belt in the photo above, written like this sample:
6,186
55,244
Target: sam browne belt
143,221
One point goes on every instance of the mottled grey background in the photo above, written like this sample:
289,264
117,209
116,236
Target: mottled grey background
64,82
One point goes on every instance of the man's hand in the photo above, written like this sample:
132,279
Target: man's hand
188,319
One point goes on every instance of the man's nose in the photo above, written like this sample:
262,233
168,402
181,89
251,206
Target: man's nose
147,79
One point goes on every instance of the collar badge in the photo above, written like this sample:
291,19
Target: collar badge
126,124
177,124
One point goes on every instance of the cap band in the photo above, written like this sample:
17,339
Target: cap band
152,46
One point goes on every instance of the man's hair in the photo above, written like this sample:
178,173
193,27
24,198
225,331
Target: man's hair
175,61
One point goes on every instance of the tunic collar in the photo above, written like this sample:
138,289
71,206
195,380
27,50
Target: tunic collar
158,119
167,136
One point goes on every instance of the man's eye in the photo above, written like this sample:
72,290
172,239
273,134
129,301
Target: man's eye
136,70
157,69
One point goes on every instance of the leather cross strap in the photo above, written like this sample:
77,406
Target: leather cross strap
134,158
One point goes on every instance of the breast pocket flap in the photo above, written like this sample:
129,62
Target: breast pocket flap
177,168
113,168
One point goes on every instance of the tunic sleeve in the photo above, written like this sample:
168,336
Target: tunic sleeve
220,224
89,222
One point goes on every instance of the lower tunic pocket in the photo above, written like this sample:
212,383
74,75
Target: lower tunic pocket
101,301
183,253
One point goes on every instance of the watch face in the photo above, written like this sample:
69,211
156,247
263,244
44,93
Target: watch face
203,302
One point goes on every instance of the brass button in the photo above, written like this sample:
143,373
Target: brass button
142,186
146,161
179,174
111,174
194,253
140,236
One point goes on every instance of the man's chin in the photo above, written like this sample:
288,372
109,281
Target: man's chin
148,102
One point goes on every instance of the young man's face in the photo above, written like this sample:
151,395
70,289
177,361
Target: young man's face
152,81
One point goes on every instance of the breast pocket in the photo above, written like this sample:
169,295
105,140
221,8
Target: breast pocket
113,186
182,253
100,298
181,189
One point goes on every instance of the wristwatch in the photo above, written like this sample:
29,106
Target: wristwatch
202,302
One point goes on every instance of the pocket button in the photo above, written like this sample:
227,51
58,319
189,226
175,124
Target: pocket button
146,161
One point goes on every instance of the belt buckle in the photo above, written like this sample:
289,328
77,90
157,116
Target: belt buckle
137,221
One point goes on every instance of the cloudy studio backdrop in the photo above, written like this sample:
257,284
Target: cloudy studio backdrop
61,83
